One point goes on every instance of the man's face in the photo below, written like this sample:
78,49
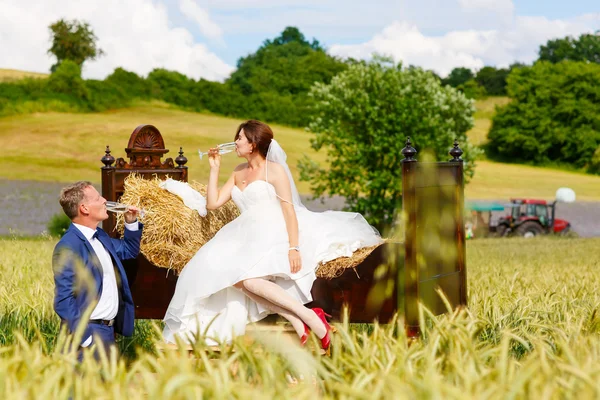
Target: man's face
93,205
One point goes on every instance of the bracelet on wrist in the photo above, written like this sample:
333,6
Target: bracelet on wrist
297,248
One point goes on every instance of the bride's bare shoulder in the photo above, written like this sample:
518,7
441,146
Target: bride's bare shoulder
275,168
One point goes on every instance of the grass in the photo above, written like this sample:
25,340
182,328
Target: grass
499,181
484,111
15,74
532,330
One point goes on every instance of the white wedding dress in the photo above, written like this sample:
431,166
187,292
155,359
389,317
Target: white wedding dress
256,245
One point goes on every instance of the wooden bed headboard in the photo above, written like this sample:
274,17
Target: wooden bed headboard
151,287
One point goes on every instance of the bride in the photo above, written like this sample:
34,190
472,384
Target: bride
264,261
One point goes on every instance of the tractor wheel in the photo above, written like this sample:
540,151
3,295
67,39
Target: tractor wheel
530,229
567,232
501,230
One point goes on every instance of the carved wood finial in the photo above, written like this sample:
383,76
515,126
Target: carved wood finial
146,148
408,151
107,160
181,160
146,137
456,152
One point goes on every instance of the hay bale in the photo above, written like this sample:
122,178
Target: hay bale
335,268
173,233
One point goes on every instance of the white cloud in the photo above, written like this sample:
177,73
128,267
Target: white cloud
140,35
135,34
520,41
199,15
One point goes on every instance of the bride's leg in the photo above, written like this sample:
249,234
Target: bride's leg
290,316
279,297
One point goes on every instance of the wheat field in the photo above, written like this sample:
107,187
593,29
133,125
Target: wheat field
532,330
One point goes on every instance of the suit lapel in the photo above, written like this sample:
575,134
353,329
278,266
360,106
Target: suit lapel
95,261
115,259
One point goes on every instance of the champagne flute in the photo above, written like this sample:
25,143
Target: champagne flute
119,208
223,148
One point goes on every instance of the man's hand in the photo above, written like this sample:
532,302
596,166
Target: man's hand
295,261
131,215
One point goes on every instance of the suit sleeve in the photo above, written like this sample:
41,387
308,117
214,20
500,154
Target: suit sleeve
63,266
128,247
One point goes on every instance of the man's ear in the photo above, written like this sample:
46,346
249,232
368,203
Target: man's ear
83,209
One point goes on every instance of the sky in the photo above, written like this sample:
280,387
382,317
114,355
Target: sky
205,38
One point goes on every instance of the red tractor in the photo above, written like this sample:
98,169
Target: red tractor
531,218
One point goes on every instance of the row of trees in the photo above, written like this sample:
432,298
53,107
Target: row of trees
554,115
271,84
553,118
488,81
275,80
492,81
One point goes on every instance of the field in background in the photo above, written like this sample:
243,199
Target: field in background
532,331
484,111
64,147
499,181
15,74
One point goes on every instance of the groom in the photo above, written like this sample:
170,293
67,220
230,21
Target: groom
88,273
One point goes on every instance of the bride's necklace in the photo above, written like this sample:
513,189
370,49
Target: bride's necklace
247,176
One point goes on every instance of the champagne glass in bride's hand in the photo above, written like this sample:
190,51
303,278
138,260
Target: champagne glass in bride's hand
222,148
119,208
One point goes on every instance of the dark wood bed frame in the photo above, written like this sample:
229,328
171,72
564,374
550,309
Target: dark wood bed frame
394,277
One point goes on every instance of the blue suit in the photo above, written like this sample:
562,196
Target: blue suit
74,259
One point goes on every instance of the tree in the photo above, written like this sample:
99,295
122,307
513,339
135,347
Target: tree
171,86
493,80
594,166
458,76
67,80
584,48
276,79
288,64
361,120
292,34
472,89
73,40
554,115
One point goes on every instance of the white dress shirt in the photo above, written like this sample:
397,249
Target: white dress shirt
108,305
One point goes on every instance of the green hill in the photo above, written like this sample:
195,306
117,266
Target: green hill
68,146
485,110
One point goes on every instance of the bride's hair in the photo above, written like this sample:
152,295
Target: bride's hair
258,134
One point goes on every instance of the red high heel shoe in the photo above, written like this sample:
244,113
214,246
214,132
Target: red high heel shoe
326,340
304,337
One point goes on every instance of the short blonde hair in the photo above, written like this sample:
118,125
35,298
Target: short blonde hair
71,197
